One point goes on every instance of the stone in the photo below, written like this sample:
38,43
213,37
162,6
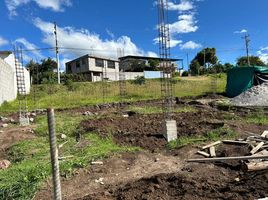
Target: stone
12,120
31,119
237,179
4,164
100,181
33,114
88,113
3,119
63,136
96,163
4,125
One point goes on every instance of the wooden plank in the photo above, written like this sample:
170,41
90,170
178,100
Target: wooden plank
265,134
235,142
228,158
212,151
255,149
210,145
255,166
203,153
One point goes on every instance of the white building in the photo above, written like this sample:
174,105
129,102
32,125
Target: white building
8,80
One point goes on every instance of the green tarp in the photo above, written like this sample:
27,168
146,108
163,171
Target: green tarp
240,79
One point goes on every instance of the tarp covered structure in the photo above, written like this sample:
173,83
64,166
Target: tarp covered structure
240,79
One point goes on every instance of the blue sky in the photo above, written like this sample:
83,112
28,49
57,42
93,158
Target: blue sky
103,27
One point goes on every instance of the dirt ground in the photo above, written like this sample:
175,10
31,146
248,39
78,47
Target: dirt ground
157,173
146,130
11,135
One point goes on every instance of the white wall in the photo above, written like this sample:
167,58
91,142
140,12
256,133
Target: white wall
8,86
132,75
9,59
8,80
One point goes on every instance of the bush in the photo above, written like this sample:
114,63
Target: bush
139,80
185,73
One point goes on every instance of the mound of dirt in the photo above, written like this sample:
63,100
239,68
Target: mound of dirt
146,130
176,186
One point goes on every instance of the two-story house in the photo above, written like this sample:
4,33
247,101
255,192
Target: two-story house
94,68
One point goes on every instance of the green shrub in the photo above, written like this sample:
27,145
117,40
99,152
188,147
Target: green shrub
139,80
185,73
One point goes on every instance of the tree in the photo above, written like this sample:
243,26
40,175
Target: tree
206,56
153,63
44,72
227,66
254,61
195,67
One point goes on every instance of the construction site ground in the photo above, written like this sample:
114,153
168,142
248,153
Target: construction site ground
158,170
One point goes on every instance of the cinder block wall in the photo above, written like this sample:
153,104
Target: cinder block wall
8,86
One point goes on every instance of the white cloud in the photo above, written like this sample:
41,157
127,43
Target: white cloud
30,46
151,54
173,42
55,5
77,42
190,45
184,5
241,31
186,24
3,41
263,54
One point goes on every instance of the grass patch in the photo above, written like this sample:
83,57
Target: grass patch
87,93
31,159
155,109
213,135
257,118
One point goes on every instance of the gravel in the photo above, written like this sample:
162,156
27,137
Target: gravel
255,96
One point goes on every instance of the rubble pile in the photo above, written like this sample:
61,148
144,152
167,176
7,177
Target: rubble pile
255,96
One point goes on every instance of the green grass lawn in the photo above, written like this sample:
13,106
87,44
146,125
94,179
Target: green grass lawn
86,93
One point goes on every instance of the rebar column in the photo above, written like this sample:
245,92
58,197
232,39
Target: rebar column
54,154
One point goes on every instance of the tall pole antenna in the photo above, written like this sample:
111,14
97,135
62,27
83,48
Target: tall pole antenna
57,52
247,40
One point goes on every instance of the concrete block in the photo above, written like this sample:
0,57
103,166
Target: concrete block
24,121
170,132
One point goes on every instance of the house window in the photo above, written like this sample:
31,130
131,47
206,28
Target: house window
99,62
111,64
83,61
69,68
77,64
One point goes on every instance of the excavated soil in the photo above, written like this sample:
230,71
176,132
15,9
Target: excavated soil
146,130
160,174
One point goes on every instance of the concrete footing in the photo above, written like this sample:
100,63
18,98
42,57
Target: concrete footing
24,121
170,131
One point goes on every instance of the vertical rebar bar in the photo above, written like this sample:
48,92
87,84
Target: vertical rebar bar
54,154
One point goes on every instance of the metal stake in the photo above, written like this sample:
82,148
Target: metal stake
54,154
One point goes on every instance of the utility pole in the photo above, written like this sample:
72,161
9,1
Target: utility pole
247,40
57,52
204,58
187,60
